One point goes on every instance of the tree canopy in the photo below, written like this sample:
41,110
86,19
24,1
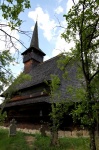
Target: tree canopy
10,10
83,28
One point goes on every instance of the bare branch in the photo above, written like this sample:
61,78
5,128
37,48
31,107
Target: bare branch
10,36
73,2
19,30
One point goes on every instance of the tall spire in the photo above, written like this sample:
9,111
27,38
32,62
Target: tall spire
34,40
33,55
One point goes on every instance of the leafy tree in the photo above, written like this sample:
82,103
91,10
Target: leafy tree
5,73
83,29
2,117
10,10
58,108
54,115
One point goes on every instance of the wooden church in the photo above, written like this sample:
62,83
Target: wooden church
31,103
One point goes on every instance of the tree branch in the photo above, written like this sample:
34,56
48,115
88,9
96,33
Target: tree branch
12,37
94,75
81,40
92,34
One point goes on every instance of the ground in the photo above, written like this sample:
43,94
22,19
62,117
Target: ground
30,140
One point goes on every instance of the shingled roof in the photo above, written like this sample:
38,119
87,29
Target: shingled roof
42,71
29,101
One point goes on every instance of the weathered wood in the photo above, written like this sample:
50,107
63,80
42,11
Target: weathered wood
34,95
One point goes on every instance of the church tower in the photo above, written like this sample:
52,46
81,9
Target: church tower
33,55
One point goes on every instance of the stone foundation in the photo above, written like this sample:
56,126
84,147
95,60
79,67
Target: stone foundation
74,133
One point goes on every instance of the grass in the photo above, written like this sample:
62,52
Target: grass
19,142
43,143
12,143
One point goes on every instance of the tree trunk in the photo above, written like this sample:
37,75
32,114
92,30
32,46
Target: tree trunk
92,127
92,140
54,138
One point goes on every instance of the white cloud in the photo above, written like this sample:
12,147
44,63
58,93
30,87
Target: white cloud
44,22
60,44
5,44
5,41
69,4
50,33
46,57
59,1
59,10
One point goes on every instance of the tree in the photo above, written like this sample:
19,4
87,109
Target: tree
11,10
83,29
58,108
5,73
55,108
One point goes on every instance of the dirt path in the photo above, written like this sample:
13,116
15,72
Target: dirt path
30,139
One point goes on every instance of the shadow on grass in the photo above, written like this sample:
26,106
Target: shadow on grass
19,142
43,143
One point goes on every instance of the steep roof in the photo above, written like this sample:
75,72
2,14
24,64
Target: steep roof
28,101
42,72
34,41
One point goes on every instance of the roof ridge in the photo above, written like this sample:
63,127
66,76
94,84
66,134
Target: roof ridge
51,59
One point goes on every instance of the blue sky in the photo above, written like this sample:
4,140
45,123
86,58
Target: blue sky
49,15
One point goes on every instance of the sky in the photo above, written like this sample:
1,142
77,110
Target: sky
49,15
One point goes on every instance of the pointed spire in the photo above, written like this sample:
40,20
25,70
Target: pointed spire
34,45
34,40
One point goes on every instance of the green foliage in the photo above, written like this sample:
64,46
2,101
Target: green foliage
2,117
64,61
56,116
64,143
77,93
55,95
5,72
54,86
82,28
58,106
5,57
13,88
17,142
11,10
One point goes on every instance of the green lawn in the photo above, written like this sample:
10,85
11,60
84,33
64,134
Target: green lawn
20,142
42,143
17,142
